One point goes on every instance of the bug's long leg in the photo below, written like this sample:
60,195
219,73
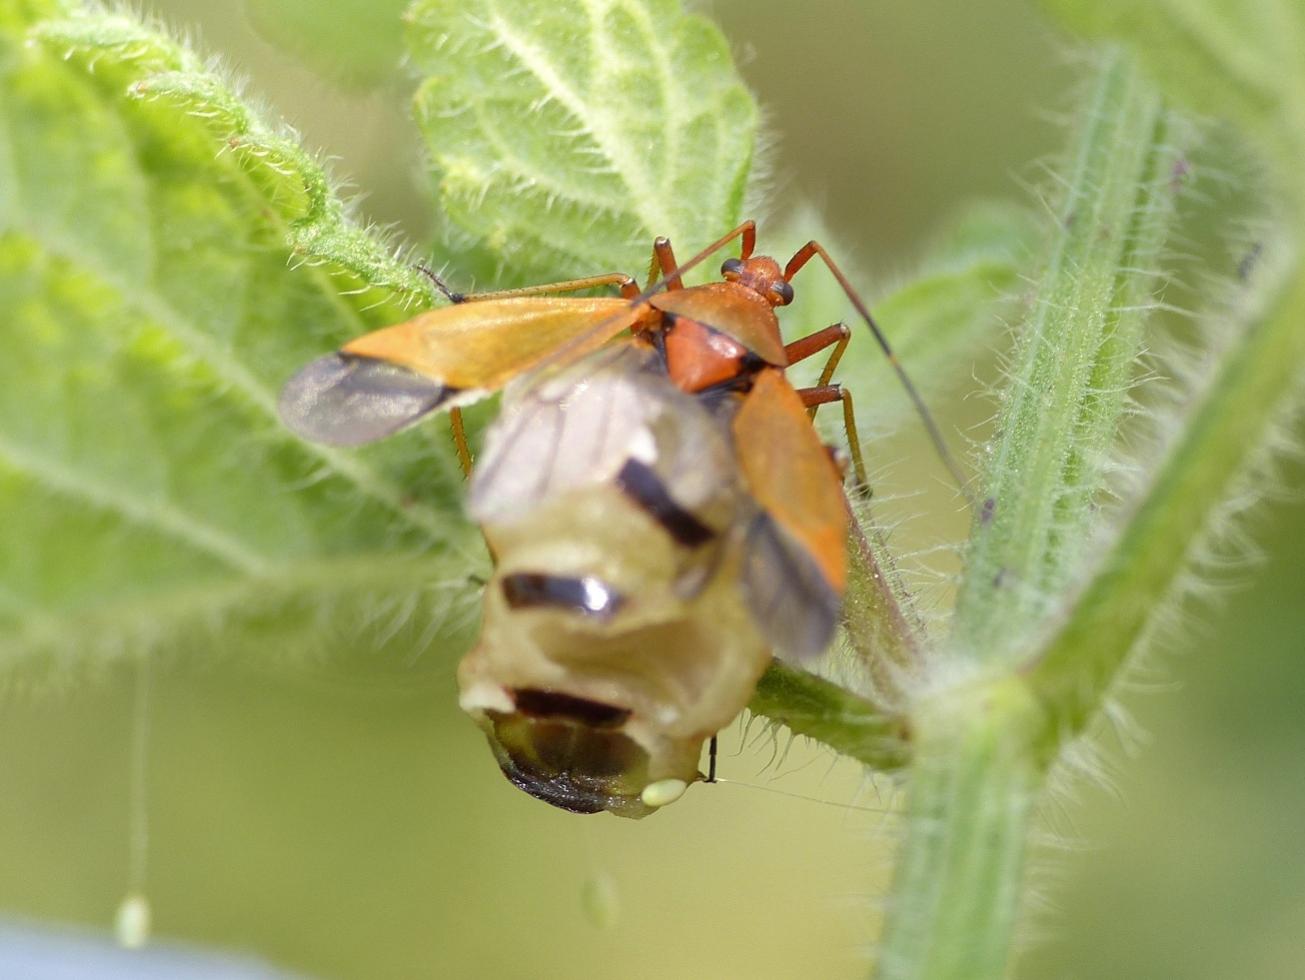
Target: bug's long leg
835,335
664,263
812,249
747,232
629,287
654,267
460,441
823,394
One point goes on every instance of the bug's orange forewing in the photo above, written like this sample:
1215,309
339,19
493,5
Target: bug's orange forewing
386,380
733,310
484,345
790,473
796,566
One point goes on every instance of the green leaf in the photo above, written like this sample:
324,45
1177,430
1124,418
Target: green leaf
357,43
147,222
564,137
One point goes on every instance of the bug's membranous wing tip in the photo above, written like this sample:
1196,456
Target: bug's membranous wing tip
342,400
793,603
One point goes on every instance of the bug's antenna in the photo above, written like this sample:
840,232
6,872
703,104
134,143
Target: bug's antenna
795,264
440,284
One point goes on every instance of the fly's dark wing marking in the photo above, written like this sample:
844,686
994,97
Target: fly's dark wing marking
582,425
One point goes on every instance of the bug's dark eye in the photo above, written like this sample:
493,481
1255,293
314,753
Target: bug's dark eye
784,291
731,267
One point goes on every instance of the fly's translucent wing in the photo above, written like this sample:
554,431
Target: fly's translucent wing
613,417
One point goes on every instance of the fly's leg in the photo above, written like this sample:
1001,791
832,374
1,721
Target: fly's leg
460,441
629,290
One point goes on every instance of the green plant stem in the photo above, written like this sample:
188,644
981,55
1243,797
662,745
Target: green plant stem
1071,371
1228,426
975,771
957,883
820,709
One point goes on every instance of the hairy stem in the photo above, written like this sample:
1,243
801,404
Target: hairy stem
975,770
884,630
820,709
1226,429
1072,369
957,884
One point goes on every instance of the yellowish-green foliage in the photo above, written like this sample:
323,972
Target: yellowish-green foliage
168,256
566,136
166,260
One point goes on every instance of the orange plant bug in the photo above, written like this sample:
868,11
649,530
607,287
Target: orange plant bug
662,514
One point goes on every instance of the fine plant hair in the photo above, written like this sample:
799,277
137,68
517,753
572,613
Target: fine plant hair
1148,382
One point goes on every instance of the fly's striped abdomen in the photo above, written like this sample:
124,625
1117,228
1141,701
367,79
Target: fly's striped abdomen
615,509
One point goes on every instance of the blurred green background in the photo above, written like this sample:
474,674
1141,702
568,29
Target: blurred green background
346,825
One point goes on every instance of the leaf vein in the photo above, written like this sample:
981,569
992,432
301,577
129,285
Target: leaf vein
239,378
160,515
547,76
